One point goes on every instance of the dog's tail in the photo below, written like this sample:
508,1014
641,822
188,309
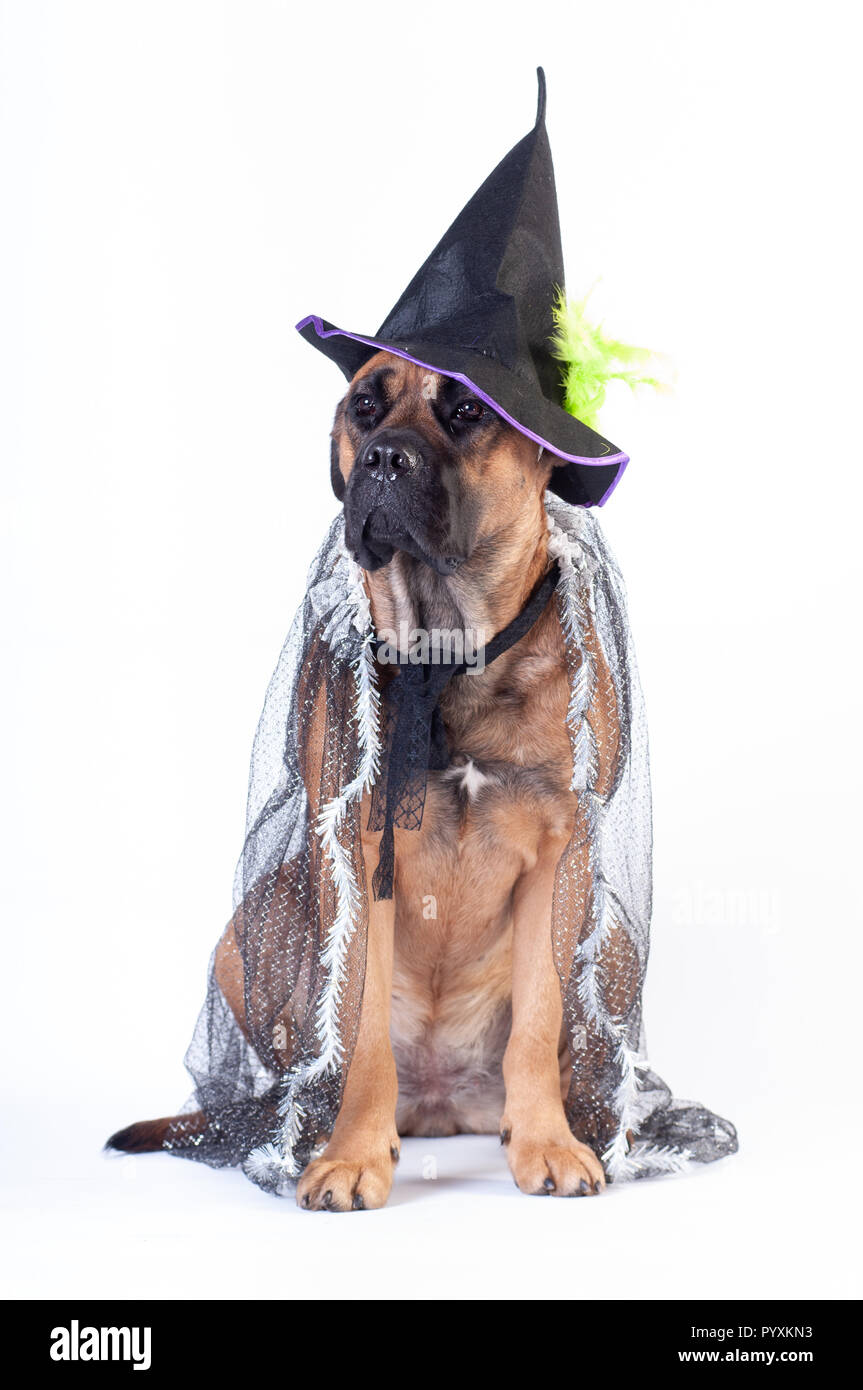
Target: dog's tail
149,1136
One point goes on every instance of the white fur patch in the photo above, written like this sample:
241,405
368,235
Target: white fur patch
471,779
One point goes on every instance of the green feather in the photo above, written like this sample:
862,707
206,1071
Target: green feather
591,360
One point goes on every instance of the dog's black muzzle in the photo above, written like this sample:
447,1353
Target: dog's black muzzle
392,456
396,500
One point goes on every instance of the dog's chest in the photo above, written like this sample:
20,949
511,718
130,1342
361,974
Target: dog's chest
452,966
452,979
483,826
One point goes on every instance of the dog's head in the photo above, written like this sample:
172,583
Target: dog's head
424,467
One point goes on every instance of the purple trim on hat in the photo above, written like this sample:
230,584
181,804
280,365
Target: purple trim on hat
621,459
617,477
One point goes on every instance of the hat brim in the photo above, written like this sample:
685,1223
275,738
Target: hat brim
590,466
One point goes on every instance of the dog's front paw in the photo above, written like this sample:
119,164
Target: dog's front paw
355,1182
559,1166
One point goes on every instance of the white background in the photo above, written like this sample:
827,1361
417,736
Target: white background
180,183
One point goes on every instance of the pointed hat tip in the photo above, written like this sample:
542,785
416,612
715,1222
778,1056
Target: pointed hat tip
540,99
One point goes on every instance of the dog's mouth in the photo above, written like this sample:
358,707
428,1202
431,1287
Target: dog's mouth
382,535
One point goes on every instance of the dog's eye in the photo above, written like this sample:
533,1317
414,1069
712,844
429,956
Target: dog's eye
365,407
469,411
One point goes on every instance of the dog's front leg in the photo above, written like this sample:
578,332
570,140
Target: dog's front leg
544,1156
355,1171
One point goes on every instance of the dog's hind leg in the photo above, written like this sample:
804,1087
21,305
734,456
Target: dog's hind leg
228,972
150,1136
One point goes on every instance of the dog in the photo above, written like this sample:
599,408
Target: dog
461,1019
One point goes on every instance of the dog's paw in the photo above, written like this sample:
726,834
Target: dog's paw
332,1183
557,1167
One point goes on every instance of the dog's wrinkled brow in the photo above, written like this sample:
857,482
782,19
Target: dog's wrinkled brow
452,391
373,382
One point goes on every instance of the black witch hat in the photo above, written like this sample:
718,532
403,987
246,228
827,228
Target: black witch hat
481,310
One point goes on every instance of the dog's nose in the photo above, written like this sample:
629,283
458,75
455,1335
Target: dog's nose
390,455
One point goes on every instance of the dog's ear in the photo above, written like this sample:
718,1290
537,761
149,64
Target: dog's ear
336,478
